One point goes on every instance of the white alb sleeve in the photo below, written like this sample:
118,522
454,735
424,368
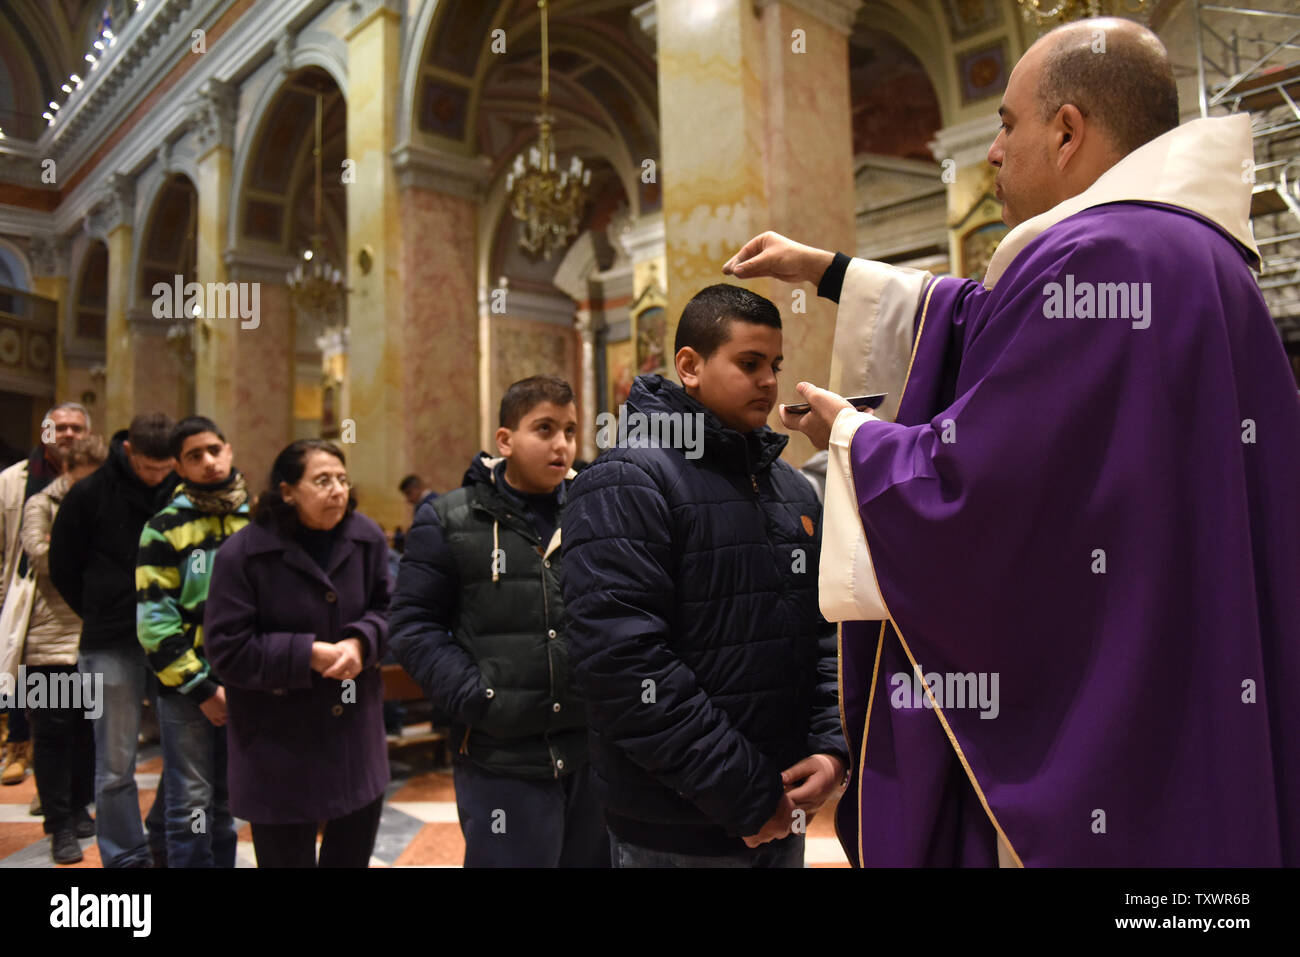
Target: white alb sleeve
846,588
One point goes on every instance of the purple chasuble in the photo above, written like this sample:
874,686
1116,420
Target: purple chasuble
1091,493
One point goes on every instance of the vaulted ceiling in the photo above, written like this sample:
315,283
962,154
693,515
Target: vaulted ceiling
42,42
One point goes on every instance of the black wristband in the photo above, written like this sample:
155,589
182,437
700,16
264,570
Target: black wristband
832,282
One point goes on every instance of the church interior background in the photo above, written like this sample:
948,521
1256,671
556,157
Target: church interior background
350,170
151,142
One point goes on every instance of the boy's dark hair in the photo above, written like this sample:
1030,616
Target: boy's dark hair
271,509
409,482
191,425
526,394
150,435
706,320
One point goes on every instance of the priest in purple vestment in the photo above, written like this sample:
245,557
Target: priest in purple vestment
1068,570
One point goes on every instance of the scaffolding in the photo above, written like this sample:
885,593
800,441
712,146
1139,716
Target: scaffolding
1248,60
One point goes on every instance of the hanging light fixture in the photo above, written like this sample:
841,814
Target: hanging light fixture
1051,13
316,287
547,202
183,332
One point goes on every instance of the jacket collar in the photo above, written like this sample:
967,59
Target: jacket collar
263,539
483,476
747,453
144,497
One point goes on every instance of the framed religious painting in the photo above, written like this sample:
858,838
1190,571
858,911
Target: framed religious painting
620,369
649,321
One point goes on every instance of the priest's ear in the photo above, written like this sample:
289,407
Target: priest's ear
689,363
1069,130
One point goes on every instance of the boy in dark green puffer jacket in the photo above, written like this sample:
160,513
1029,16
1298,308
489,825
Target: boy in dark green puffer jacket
477,620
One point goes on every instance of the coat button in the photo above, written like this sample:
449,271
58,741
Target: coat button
336,710
551,633
489,693
559,764
331,597
556,706
547,563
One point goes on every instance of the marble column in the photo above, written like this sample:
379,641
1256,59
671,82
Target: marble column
756,134
114,218
160,383
587,397
213,121
49,256
378,424
261,420
573,278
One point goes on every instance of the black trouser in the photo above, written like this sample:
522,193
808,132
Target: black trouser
63,756
515,822
348,841
18,727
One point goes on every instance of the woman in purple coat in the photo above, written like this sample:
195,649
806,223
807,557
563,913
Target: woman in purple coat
295,626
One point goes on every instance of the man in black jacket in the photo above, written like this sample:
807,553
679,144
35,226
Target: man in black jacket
93,548
691,590
477,620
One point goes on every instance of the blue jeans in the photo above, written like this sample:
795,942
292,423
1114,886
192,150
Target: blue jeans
200,831
117,731
787,852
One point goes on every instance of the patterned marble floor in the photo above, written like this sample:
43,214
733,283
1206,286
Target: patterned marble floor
419,827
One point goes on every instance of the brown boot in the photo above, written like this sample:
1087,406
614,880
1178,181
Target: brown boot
20,759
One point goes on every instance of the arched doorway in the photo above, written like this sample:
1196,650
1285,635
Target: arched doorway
278,220
167,259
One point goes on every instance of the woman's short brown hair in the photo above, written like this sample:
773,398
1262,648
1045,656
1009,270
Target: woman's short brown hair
87,450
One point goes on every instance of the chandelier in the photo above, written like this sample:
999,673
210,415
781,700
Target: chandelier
183,332
1051,13
316,287
547,201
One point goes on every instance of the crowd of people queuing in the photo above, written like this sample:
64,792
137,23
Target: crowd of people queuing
631,660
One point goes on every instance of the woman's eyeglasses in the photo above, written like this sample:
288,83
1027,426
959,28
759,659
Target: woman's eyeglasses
325,482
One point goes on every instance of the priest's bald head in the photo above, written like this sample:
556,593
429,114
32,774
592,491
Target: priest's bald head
1081,99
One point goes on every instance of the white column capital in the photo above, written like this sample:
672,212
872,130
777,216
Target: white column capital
463,176
49,255
213,115
966,143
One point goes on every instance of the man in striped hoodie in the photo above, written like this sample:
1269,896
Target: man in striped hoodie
174,567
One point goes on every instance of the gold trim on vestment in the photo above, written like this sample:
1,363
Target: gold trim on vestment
943,721
866,726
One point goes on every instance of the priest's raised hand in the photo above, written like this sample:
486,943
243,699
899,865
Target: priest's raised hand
1065,552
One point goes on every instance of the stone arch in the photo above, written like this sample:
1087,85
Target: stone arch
317,57
88,315
160,213
14,266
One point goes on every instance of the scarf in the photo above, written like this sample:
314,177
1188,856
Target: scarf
219,498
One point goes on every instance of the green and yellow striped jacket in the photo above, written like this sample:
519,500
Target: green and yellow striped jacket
173,568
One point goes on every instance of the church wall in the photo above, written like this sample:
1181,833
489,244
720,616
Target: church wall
263,396
440,342
526,348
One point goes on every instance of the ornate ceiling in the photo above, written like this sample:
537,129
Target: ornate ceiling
41,43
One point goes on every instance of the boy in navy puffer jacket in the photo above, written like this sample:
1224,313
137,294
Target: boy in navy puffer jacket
691,553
